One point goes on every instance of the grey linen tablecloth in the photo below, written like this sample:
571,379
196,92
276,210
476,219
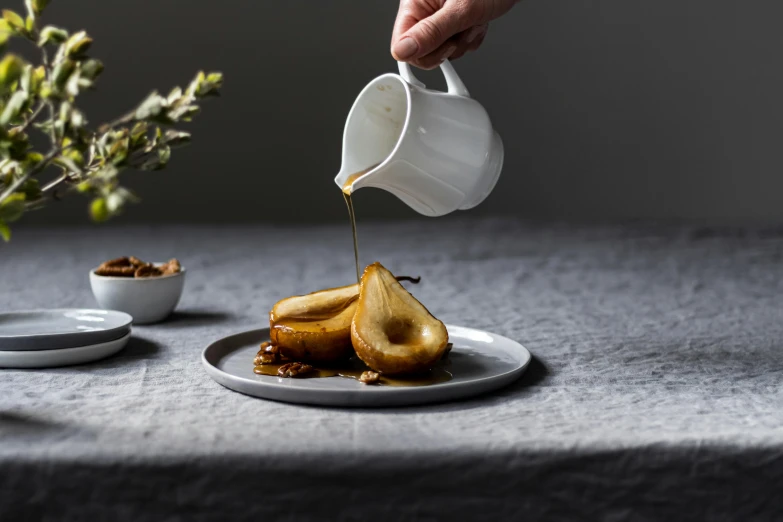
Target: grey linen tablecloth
655,392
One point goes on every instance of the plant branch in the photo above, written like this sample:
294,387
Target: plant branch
32,117
35,170
54,183
52,131
122,120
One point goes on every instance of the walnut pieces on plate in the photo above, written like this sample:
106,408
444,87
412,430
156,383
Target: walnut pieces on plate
294,369
268,353
134,267
369,377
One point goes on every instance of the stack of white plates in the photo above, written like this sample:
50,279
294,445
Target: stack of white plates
50,338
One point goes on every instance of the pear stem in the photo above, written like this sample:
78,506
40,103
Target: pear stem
414,280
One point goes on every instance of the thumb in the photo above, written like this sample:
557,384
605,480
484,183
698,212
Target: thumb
429,34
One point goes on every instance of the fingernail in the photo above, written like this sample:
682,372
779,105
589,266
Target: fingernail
405,48
474,33
448,52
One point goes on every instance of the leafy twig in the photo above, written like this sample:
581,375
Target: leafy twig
32,117
91,160
35,170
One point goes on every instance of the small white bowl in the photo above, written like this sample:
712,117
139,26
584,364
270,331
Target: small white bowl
147,299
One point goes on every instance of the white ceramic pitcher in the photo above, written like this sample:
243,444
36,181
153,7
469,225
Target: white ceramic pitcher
436,151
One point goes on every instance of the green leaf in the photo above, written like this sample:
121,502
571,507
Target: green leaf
119,151
31,189
175,138
194,86
14,107
27,78
5,231
78,44
65,111
32,79
77,119
99,211
114,202
29,24
11,68
215,78
138,135
34,158
174,95
164,155
72,85
208,85
92,69
51,34
151,107
67,163
5,27
62,73
14,20
18,149
12,208
46,91
36,7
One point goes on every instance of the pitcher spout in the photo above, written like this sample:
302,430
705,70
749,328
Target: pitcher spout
373,129
349,181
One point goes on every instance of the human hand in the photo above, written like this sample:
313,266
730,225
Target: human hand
429,31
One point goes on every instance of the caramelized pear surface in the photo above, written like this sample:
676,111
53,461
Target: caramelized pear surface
391,331
315,327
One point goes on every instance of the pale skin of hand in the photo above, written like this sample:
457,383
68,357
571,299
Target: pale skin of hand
429,31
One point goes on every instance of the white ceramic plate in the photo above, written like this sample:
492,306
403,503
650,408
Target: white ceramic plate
63,357
63,328
480,362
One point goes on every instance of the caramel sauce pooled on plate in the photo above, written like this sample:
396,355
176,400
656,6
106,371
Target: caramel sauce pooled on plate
353,368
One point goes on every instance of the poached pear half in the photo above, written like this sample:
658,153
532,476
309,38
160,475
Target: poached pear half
315,327
391,331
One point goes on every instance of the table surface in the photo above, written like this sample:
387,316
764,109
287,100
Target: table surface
655,388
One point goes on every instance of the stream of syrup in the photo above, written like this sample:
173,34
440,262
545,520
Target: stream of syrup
349,202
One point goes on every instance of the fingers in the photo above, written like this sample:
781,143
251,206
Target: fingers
453,48
429,34
435,58
406,18
470,40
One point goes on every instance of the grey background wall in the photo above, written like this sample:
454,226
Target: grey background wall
608,108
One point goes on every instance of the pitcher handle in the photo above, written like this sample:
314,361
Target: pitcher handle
455,85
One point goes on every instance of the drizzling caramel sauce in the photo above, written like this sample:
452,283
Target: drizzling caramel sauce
352,215
349,203
353,368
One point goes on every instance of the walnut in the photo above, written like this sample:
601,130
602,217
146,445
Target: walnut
119,267
147,271
172,267
265,358
135,261
294,369
115,271
120,261
370,377
272,349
